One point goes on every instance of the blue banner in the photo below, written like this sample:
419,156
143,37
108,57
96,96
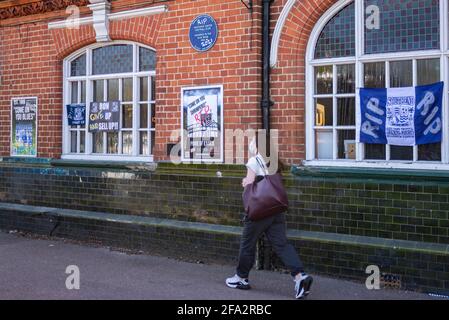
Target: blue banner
76,114
401,116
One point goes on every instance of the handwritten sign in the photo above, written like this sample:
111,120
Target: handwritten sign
104,116
203,33
24,127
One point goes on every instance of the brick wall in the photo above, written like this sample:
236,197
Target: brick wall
390,208
288,77
31,65
347,220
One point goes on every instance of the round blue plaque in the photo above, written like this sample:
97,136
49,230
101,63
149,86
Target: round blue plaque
203,33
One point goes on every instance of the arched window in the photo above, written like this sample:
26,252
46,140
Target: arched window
119,71
376,44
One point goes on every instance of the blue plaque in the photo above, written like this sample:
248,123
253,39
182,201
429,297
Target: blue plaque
203,33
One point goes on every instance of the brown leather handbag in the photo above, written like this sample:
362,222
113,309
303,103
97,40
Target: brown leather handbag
265,198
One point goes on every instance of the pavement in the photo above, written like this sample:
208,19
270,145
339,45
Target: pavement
35,269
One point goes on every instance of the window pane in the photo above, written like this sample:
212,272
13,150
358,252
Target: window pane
346,111
324,141
401,74
113,90
98,87
153,116
127,94
112,142
428,71
127,142
375,152
147,59
144,143
401,153
153,88
127,116
323,80
153,141
78,66
82,141
429,152
73,142
97,142
143,88
405,25
112,59
346,144
74,92
346,78
338,37
83,91
374,75
324,112
143,116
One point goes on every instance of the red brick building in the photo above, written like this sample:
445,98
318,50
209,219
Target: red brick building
321,52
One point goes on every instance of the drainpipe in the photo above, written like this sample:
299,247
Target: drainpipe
263,260
266,102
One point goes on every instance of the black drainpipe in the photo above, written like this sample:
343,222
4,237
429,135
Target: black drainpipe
266,102
263,259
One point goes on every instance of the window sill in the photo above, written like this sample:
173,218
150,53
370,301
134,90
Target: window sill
141,166
109,158
372,170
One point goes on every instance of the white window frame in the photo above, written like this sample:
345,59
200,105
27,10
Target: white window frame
359,59
88,78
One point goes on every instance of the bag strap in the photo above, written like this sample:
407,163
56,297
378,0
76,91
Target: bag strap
264,168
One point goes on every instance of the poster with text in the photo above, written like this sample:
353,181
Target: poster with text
24,127
202,122
104,116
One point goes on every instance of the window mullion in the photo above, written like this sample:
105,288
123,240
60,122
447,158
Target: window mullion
135,59
444,25
105,98
444,65
359,50
334,111
387,85
415,83
150,113
136,98
67,93
120,132
89,98
359,29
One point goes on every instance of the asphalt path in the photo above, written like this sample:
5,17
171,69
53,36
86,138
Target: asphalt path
35,269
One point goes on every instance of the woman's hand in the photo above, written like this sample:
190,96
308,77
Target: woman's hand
245,182
250,178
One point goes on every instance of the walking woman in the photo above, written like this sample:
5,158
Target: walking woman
274,228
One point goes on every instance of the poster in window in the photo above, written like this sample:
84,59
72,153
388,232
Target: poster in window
401,116
24,127
202,123
76,114
104,116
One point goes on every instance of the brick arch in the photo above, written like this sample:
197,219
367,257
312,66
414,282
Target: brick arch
141,29
289,77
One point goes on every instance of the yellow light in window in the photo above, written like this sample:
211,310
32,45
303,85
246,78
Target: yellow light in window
320,115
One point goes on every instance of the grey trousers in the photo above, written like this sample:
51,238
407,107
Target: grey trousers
275,230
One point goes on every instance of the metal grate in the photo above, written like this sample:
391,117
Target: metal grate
390,281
